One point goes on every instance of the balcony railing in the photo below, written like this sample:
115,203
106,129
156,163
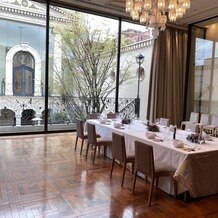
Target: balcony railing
19,110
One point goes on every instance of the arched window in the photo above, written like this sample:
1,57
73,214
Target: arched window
23,74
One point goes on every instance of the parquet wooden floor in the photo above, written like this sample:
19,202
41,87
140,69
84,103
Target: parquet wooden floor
42,176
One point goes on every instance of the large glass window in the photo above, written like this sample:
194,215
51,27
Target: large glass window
83,54
133,90
206,75
22,64
203,76
83,57
214,91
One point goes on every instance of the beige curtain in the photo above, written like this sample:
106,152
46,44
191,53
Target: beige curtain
166,91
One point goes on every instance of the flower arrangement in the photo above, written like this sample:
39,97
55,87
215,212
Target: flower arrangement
195,138
126,121
152,127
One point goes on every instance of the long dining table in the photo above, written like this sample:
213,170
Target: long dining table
196,165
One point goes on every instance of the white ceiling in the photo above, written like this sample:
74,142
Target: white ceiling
200,9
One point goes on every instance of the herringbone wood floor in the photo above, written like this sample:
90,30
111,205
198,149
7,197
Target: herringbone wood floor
42,176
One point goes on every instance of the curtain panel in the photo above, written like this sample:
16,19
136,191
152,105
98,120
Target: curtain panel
166,90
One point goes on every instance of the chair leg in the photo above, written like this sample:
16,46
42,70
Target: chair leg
76,143
185,196
124,171
94,155
134,181
133,166
151,191
81,149
112,167
105,151
175,188
157,181
87,150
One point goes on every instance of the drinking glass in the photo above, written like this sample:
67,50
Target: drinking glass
130,124
200,141
118,118
167,133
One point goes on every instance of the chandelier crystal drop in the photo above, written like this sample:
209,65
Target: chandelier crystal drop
154,13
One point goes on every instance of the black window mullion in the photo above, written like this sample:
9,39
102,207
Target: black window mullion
118,67
47,65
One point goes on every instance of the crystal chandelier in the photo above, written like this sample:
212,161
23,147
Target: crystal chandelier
154,13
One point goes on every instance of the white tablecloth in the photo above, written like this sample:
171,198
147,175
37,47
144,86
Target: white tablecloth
106,130
184,160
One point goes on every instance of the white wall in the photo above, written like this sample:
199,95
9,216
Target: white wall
130,90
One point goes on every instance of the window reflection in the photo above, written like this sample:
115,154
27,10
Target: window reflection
23,74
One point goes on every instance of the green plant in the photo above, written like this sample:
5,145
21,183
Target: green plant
60,117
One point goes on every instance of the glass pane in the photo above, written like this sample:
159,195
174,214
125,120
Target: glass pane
134,75
17,81
28,87
22,66
83,52
214,96
203,76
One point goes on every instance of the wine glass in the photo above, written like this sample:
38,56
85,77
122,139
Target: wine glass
188,132
201,140
157,121
166,133
130,124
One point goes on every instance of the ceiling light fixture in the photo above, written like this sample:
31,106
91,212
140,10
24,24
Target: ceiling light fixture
154,13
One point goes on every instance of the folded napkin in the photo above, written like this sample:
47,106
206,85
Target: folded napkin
103,120
150,135
178,143
206,136
117,125
144,123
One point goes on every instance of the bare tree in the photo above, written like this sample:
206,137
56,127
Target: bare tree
88,67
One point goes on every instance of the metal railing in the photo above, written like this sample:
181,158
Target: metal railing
22,110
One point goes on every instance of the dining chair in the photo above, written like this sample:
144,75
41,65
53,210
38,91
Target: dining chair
210,129
216,132
80,134
204,120
164,122
95,141
192,127
144,161
93,116
194,118
111,115
119,154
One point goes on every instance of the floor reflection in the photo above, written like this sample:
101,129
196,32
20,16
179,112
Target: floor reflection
42,176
